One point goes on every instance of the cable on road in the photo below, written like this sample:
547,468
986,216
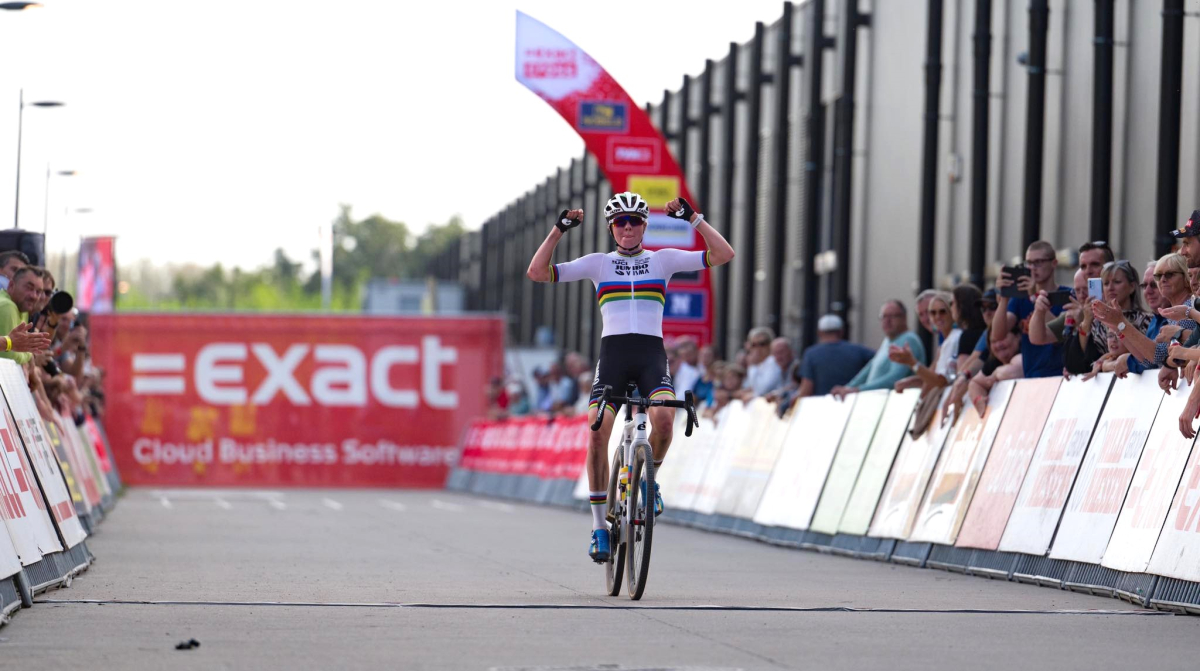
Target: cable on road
615,606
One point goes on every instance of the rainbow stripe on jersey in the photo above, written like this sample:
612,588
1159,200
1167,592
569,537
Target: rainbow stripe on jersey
645,290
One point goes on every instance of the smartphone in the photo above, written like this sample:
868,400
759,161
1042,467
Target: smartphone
1095,289
1059,298
1015,273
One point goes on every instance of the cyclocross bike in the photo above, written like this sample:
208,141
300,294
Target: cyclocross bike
631,491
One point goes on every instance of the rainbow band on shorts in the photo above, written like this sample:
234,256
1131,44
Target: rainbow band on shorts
662,392
612,409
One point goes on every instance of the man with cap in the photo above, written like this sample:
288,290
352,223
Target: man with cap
832,361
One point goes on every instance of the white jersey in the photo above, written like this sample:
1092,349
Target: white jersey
631,288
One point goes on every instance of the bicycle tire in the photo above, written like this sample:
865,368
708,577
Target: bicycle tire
641,536
615,566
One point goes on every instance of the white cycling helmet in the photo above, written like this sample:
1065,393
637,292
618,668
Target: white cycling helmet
626,202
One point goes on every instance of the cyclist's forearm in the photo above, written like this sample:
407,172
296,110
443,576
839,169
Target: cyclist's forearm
719,250
539,267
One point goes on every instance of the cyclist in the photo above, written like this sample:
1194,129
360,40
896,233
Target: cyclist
631,288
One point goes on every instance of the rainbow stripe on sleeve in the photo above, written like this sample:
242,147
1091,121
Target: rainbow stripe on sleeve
553,273
645,290
707,258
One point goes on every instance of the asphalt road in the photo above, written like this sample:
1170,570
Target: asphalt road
432,580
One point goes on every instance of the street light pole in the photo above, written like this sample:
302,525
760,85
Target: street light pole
20,128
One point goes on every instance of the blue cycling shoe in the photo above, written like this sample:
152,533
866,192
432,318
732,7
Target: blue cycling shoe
658,502
598,550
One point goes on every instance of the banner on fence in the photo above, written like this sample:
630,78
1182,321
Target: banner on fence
1177,554
957,472
749,495
743,472
274,400
21,504
897,511
667,475
889,433
795,486
1055,462
691,473
1007,463
734,425
1091,512
1152,489
23,426
860,429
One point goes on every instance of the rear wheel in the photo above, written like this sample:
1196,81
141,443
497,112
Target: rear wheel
641,530
616,557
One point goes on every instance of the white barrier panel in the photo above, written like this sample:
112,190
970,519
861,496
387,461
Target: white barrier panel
87,454
691,473
1091,513
910,475
25,423
751,493
878,463
957,472
729,432
1007,463
860,429
1151,490
1052,471
89,488
795,487
1177,554
743,472
22,507
10,564
681,451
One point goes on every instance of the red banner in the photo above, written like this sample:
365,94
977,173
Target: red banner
630,151
551,449
289,400
97,275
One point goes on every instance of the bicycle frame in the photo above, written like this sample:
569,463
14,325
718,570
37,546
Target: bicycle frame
634,433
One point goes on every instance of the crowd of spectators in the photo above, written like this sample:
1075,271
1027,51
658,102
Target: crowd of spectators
1115,317
48,337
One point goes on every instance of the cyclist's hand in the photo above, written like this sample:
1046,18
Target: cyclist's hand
680,209
568,219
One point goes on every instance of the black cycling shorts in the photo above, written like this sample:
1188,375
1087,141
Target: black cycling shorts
632,358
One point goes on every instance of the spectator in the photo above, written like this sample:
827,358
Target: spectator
956,316
762,370
785,358
575,364
1040,258
688,373
563,389
833,361
1175,301
24,290
542,398
10,262
1004,364
709,380
518,400
1121,291
732,378
881,372
497,399
707,357
583,383
971,317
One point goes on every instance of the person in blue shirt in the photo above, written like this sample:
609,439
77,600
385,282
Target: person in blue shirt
1042,261
832,361
881,372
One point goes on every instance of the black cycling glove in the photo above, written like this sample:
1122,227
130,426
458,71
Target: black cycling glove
564,224
684,212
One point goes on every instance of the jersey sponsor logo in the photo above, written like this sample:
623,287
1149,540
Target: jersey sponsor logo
603,116
631,267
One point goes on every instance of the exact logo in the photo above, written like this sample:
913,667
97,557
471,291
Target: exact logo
601,116
342,378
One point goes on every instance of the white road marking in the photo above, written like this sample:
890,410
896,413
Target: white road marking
393,505
492,505
333,504
277,504
223,504
448,507
166,503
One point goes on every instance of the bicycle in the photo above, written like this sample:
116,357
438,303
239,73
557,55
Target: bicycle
630,504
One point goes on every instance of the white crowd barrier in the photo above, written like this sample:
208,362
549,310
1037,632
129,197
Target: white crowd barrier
50,498
1088,485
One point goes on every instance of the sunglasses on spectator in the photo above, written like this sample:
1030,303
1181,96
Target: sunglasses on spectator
628,220
1159,277
760,343
1146,285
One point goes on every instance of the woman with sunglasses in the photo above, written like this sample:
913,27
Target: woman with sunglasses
631,289
1170,274
1123,294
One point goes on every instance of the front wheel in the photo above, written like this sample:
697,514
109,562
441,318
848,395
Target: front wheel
641,517
615,565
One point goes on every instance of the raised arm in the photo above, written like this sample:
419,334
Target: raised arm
539,267
720,251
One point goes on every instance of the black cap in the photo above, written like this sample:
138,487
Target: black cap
1190,229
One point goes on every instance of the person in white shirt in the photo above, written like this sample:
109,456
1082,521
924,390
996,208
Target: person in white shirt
763,373
688,373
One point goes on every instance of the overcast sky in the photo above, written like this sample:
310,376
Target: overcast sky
218,131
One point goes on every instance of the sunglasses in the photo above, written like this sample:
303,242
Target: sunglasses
1146,285
760,344
627,220
1159,277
